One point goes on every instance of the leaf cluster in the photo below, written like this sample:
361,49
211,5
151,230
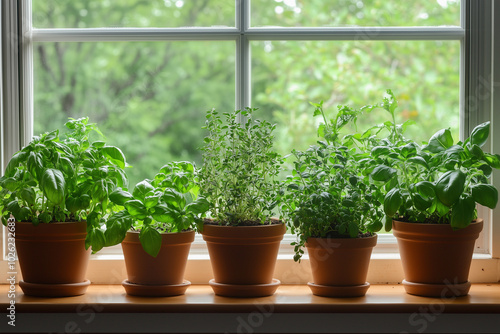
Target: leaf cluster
167,203
64,178
240,168
327,194
437,182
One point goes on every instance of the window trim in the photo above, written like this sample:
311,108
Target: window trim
17,119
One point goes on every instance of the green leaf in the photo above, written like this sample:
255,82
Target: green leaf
116,229
120,196
492,160
383,173
115,155
409,150
440,141
151,201
13,207
441,209
53,185
353,230
380,150
28,195
150,240
421,203
485,194
426,189
476,151
392,201
463,212
450,186
164,214
136,208
96,239
480,134
142,189
419,161
387,223
14,163
374,226
200,206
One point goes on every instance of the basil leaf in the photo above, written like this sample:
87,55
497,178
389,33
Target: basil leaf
53,185
480,134
462,212
450,186
150,240
485,194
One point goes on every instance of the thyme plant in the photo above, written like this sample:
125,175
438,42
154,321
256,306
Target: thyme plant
240,168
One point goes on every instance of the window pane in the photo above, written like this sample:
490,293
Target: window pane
147,98
287,75
132,13
341,13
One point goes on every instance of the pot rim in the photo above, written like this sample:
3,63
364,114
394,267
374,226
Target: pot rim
53,223
474,222
165,233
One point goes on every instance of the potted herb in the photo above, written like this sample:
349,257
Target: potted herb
239,180
432,191
57,190
333,208
156,228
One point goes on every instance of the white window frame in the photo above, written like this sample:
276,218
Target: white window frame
479,73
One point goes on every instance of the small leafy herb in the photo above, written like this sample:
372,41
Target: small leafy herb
439,182
63,179
327,195
239,174
168,203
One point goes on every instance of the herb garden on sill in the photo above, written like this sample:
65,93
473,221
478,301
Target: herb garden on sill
69,196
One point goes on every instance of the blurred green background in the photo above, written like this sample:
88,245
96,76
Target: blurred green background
149,98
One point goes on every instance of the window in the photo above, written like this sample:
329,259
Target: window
149,69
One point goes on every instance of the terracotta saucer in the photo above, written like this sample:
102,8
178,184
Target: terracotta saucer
339,290
244,290
54,290
437,290
145,290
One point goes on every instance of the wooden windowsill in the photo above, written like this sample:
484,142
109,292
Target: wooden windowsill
483,298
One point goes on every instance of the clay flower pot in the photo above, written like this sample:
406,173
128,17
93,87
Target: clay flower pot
340,266
436,260
52,258
243,258
159,276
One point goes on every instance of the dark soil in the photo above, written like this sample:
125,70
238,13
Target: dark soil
273,221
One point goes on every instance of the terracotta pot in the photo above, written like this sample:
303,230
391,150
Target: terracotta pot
436,260
340,266
243,255
52,254
167,268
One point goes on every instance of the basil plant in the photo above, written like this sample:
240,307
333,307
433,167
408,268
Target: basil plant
437,182
64,178
327,195
167,203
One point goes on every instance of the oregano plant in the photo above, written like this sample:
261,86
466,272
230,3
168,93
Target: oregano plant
327,195
240,168
64,178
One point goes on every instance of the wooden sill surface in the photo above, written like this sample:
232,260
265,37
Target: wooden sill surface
483,298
